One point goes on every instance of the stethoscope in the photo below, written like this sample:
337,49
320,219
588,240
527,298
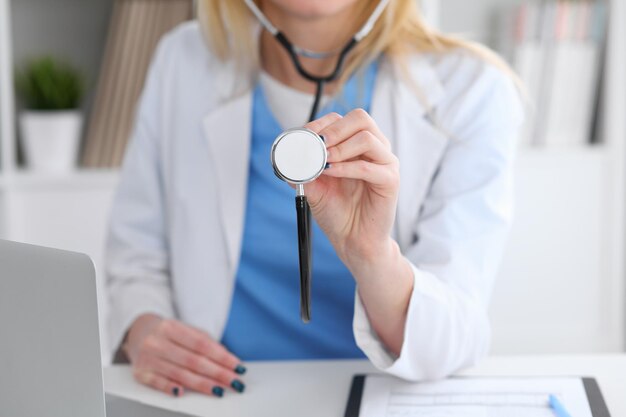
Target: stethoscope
299,155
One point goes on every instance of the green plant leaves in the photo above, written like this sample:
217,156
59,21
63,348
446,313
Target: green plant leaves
47,84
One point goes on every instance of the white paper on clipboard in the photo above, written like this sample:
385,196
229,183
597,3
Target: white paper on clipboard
385,396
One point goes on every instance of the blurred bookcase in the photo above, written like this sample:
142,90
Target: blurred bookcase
561,286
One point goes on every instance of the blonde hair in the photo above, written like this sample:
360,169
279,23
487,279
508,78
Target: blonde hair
400,30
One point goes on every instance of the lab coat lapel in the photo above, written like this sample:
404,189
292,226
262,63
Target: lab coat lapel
403,108
227,131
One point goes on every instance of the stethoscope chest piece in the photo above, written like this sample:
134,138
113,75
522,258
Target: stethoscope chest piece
299,157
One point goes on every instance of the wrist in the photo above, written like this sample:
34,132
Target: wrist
137,332
371,257
385,284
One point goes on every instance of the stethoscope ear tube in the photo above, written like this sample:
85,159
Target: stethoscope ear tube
304,247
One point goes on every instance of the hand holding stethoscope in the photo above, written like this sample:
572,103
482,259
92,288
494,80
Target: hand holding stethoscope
353,200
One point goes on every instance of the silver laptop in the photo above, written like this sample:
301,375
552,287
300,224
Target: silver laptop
49,342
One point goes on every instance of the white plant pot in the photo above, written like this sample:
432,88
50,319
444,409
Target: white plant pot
50,139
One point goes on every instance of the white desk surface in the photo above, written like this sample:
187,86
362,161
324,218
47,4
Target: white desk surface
320,388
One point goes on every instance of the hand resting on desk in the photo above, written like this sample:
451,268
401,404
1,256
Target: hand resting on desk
171,356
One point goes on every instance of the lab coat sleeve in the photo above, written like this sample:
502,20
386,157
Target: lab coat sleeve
137,276
460,235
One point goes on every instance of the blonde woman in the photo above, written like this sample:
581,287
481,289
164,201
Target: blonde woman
411,216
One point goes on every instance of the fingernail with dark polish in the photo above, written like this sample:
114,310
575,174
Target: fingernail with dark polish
327,166
323,138
240,369
237,385
218,391
175,391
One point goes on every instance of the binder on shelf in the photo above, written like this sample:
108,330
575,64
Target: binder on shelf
557,51
134,31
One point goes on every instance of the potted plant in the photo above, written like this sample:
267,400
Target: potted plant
51,122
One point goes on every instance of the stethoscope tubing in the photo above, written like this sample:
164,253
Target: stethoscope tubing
282,39
306,261
318,80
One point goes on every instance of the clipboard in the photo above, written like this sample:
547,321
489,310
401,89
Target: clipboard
592,389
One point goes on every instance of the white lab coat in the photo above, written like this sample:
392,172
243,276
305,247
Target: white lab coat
178,214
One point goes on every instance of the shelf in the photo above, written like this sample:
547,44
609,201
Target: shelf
78,179
557,153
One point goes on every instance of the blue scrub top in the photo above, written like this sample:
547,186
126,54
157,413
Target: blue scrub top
264,321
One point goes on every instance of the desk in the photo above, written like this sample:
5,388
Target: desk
320,388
